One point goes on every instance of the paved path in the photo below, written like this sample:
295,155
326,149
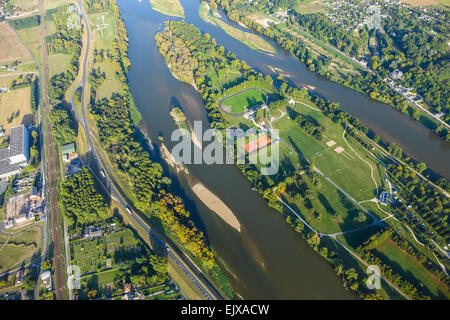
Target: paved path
181,259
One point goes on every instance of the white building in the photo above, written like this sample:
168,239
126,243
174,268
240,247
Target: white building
17,154
46,278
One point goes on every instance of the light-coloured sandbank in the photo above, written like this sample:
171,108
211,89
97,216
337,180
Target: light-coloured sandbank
216,205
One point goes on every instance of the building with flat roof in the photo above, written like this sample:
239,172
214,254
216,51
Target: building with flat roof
46,278
17,154
68,152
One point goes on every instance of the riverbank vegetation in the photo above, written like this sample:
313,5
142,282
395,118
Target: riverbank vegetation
314,137
308,37
249,39
168,7
143,180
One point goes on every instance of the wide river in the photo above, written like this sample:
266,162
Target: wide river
267,259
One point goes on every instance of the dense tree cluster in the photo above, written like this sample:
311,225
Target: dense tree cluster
81,202
63,125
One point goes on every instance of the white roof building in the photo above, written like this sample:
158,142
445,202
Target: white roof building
16,155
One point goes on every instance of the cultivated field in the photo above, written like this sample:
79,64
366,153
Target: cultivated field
245,100
11,48
16,106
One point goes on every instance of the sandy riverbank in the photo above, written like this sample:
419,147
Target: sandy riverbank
216,205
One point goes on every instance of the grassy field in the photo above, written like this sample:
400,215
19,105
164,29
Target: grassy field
411,269
6,79
168,7
103,40
251,40
12,49
26,5
58,63
344,168
244,100
15,102
123,238
308,6
32,41
89,255
336,211
19,247
101,278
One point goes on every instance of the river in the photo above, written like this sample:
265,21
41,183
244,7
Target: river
267,259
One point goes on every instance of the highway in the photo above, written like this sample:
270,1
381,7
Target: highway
186,265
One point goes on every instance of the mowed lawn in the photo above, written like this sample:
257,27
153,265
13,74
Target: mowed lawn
103,40
17,248
410,268
101,279
244,100
345,168
336,210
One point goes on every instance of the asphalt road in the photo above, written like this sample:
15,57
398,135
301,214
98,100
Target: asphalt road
186,265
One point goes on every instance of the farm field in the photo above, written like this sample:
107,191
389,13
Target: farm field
168,7
100,279
26,5
244,100
15,108
12,49
251,40
18,247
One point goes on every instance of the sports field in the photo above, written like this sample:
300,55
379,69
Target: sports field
332,155
244,100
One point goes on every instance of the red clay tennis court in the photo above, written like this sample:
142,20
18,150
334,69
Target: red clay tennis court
257,144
